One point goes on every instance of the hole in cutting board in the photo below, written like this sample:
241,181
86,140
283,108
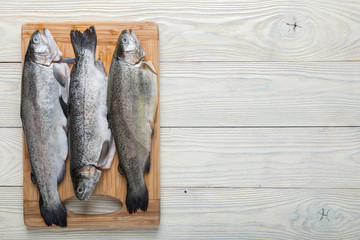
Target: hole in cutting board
98,204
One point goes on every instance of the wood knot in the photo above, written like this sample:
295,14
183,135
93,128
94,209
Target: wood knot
292,27
324,214
327,217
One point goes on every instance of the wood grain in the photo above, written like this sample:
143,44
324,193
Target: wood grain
111,182
259,30
11,157
10,89
220,214
241,157
237,94
261,94
262,157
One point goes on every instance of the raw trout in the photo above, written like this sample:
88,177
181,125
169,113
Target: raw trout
89,133
44,80
132,103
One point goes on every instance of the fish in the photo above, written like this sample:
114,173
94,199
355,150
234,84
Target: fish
44,80
132,104
91,145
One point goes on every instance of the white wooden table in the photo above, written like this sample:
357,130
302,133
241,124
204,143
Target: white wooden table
260,116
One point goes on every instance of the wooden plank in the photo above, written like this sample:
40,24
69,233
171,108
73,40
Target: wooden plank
201,30
10,157
261,157
10,90
237,94
111,182
247,157
214,213
261,94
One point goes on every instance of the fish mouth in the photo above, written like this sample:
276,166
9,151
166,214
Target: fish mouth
86,195
50,41
90,183
133,34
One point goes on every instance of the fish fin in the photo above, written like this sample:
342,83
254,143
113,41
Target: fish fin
67,60
150,66
53,214
100,66
81,41
60,74
137,199
65,107
66,129
108,119
147,164
106,163
33,178
102,158
21,115
61,174
121,170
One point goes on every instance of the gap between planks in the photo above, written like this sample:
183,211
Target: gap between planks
227,127
238,61
225,187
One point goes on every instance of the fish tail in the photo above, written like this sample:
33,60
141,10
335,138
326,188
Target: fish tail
81,41
53,214
138,199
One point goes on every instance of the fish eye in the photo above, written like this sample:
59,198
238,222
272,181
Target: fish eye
35,40
124,40
79,190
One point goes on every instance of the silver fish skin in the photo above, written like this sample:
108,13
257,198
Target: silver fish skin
132,103
89,133
44,122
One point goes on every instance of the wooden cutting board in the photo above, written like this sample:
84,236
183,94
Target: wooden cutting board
111,183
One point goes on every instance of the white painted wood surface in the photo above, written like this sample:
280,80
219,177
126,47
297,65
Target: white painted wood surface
260,119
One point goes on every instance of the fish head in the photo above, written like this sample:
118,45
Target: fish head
85,181
43,48
129,47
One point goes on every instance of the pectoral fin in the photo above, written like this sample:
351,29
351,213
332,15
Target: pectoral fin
150,66
106,162
60,74
67,60
104,150
61,174
99,65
